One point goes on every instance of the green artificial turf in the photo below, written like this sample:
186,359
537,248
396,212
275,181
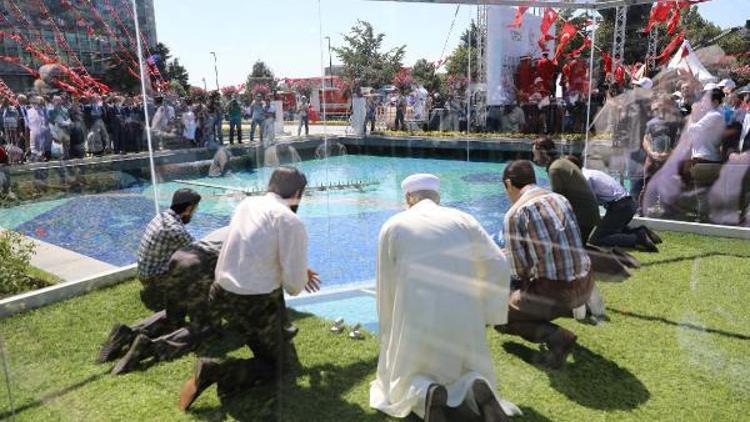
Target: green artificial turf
677,347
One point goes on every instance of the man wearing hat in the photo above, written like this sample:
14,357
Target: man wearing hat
303,111
257,116
440,280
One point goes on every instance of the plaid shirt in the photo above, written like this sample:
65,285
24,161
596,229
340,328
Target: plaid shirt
543,239
164,235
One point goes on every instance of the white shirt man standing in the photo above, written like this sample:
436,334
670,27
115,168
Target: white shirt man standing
265,254
440,281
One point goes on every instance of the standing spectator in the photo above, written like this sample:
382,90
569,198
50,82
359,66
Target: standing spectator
189,123
371,111
269,124
59,125
303,111
234,115
216,110
113,121
94,114
23,108
77,129
11,119
400,112
37,129
257,116
660,139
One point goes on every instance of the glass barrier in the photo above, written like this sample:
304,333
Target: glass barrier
152,192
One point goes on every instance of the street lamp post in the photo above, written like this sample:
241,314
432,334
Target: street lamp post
216,70
205,87
330,58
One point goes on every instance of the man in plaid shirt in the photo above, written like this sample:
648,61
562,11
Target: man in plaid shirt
163,293
547,260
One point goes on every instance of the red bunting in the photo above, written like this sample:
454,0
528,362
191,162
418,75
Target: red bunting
607,62
578,51
669,49
674,21
659,14
566,36
518,21
548,19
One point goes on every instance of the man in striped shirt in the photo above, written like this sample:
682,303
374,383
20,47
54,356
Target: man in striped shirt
547,260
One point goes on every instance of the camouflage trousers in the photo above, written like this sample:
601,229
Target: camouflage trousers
259,320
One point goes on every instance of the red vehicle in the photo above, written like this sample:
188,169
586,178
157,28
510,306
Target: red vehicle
333,102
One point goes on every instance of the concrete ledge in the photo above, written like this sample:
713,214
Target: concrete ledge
695,228
63,291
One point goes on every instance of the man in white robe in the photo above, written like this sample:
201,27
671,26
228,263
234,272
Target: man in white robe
440,281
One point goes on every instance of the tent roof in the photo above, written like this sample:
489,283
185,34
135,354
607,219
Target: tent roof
560,4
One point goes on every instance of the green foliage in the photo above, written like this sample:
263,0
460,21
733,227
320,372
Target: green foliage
365,64
458,62
425,74
15,256
261,78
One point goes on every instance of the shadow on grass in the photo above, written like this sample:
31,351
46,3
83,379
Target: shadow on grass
592,380
45,399
679,324
691,258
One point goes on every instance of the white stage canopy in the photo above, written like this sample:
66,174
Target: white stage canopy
559,4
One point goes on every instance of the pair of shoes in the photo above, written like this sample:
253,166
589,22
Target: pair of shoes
206,374
436,405
120,337
560,344
489,407
644,243
141,348
652,235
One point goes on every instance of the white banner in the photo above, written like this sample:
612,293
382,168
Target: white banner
505,46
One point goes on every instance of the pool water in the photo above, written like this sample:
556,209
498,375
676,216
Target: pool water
342,225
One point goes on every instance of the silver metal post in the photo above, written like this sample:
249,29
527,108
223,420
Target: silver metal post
591,88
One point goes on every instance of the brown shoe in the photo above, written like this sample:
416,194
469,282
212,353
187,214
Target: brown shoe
436,404
560,344
206,374
489,407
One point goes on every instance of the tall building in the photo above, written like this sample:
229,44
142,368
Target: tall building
79,24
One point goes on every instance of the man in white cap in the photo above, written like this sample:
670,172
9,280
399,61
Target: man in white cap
728,86
440,281
644,83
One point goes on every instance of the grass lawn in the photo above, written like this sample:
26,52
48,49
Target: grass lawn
677,347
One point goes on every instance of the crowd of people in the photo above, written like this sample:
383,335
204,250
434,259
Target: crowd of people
441,279
41,128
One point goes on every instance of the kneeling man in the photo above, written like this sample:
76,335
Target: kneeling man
440,281
547,258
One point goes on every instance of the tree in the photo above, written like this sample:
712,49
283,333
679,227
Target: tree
260,76
170,68
458,62
425,74
364,62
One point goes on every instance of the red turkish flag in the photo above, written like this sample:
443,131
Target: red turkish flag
607,62
659,14
566,36
518,21
578,51
549,19
674,21
669,49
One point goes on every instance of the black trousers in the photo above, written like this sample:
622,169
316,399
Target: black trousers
235,126
613,230
259,320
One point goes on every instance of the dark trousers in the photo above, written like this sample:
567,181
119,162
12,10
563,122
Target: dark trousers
536,303
400,124
256,123
235,125
259,321
613,230
304,120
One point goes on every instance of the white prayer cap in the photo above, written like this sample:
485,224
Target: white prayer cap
677,94
644,83
710,86
727,83
419,182
537,80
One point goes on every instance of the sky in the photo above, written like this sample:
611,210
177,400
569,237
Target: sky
286,34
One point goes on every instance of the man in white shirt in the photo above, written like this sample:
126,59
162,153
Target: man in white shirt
621,208
440,281
705,137
264,254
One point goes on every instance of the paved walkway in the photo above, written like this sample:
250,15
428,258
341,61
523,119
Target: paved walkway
66,264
